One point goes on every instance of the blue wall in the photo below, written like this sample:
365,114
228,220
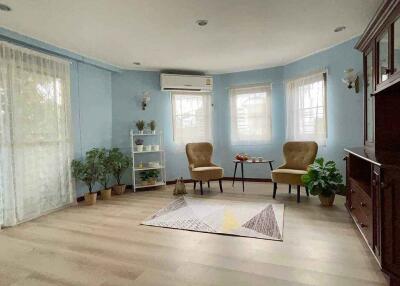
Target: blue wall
345,109
106,104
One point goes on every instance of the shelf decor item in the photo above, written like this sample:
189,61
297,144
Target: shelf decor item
323,180
140,126
152,126
139,145
119,163
151,159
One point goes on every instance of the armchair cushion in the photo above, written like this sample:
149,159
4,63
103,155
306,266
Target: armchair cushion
207,173
288,176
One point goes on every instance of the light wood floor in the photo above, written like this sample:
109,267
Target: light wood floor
105,245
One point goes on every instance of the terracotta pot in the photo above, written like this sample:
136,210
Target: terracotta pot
90,198
105,194
327,201
119,189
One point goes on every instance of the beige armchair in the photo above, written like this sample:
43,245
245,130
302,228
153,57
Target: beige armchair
201,167
298,156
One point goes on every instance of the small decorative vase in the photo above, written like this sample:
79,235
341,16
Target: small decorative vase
90,198
147,148
105,194
119,189
140,132
327,201
155,147
139,148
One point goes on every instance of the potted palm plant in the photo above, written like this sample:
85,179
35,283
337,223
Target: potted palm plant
152,126
118,164
140,126
323,180
87,171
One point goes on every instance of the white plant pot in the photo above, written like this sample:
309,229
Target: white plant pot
156,147
140,131
147,148
139,148
153,132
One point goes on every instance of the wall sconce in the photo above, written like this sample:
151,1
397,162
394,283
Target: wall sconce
145,100
351,79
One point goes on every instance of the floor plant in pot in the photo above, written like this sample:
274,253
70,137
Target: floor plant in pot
323,180
140,126
104,173
118,164
86,171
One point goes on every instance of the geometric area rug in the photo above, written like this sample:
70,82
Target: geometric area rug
248,219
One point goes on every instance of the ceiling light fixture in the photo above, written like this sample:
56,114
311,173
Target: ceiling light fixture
4,7
339,29
201,23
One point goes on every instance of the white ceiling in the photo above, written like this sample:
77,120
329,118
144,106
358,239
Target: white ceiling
162,34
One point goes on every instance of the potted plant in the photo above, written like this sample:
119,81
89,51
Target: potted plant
140,126
149,177
118,164
323,179
105,172
152,126
139,145
87,171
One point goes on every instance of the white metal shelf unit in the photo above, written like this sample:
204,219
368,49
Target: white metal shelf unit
150,139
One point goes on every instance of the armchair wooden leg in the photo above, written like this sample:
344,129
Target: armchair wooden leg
220,185
298,193
308,193
274,193
290,189
208,183
194,185
201,187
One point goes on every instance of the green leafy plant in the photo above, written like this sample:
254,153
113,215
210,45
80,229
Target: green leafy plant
140,125
323,178
88,170
149,174
152,125
118,163
105,170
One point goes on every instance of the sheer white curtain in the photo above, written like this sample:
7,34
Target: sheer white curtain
35,134
250,114
191,113
306,108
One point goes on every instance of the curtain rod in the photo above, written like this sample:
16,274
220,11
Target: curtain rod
309,73
249,85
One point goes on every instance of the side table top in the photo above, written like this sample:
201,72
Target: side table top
251,162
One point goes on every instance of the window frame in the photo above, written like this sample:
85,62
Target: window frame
322,141
208,116
235,137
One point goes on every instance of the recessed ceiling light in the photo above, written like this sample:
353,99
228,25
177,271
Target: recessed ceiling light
201,22
136,63
339,29
4,7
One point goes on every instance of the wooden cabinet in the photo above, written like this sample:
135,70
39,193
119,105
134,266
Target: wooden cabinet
373,171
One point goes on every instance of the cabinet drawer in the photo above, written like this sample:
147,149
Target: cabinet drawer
361,209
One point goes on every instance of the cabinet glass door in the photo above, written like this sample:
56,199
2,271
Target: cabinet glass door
383,47
396,44
370,100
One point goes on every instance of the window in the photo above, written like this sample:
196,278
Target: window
191,117
306,108
250,114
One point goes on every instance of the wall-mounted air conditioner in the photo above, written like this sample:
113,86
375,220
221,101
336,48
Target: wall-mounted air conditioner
186,82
